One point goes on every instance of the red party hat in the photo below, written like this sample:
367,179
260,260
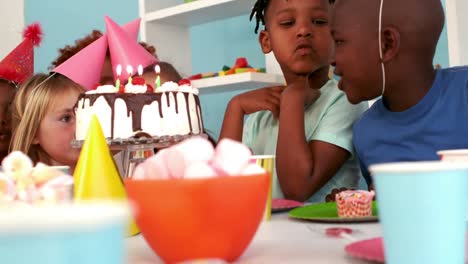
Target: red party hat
125,50
19,64
85,67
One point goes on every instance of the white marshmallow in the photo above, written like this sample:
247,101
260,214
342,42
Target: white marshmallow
17,165
156,167
196,149
231,156
198,170
139,172
252,169
8,192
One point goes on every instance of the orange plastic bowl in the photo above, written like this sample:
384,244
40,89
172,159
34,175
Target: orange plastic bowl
185,219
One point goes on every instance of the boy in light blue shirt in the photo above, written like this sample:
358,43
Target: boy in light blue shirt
306,124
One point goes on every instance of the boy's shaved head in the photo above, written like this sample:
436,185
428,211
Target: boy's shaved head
409,35
419,22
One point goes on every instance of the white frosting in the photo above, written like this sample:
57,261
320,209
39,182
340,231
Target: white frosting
103,89
174,87
188,88
167,87
169,122
130,88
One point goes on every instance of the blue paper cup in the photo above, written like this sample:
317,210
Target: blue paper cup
422,208
455,155
73,233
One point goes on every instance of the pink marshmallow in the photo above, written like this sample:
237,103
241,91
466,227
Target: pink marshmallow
156,167
192,150
231,157
198,170
57,189
139,172
8,192
252,169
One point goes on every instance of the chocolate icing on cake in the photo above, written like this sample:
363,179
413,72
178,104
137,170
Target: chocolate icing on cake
136,102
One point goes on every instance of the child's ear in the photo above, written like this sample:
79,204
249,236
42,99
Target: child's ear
264,39
390,43
35,141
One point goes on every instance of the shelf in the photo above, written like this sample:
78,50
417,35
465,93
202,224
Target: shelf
199,12
241,81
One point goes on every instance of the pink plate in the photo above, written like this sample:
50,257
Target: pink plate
370,249
280,205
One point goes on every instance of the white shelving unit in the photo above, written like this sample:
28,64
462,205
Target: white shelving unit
247,80
172,19
199,12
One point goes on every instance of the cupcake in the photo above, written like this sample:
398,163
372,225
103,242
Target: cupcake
354,203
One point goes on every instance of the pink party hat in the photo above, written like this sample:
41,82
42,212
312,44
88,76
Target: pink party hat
125,51
85,67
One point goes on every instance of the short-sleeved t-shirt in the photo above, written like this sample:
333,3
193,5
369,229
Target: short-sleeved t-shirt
328,119
437,122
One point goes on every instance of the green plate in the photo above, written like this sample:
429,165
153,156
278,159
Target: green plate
326,212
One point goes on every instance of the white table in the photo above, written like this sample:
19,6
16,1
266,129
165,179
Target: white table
282,240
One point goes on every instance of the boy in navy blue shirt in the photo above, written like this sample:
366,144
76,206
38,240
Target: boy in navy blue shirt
387,48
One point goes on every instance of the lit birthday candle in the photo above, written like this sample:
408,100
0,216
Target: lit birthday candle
118,71
140,70
130,73
157,69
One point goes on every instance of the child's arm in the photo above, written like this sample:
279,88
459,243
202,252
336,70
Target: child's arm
303,167
248,103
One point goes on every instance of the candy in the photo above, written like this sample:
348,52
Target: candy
43,173
139,172
17,165
180,156
251,169
231,157
198,170
7,188
25,184
337,231
157,166
196,158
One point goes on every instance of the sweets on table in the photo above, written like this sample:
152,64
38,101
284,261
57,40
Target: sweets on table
354,203
197,158
22,182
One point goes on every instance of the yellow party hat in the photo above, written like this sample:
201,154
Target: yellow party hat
96,175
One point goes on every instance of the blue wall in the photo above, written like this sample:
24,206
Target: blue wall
213,45
217,44
65,21
442,56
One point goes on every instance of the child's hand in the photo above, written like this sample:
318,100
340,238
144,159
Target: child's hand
261,99
300,88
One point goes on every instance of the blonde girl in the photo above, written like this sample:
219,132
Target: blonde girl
43,120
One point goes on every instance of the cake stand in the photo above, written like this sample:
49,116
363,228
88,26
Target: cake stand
135,150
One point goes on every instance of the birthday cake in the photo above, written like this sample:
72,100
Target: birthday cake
136,110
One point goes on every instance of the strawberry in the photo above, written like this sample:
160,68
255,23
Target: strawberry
149,89
138,81
122,89
185,81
